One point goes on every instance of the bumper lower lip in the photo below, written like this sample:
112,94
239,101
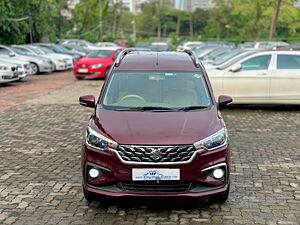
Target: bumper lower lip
113,191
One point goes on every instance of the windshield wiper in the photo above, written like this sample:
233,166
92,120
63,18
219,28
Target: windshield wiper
145,108
154,108
193,107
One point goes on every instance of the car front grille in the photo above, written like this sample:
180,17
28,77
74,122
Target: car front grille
152,187
156,154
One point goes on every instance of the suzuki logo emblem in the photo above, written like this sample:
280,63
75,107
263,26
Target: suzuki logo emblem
155,154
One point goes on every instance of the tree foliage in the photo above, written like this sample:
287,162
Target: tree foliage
235,20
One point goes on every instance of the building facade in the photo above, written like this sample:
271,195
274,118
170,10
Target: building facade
192,5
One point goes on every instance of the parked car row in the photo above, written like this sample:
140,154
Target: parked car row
252,75
18,61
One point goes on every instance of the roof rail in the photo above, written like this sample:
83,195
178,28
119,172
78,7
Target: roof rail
193,57
125,52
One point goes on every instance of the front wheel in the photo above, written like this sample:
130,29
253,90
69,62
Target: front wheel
35,68
79,78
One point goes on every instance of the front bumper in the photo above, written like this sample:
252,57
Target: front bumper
89,72
6,77
117,177
60,66
46,67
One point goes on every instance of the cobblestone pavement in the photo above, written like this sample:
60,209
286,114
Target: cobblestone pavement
40,174
14,93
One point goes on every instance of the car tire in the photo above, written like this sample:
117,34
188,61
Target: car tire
35,68
79,78
221,198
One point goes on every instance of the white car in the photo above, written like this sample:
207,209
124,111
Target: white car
269,44
106,44
188,45
267,77
66,58
8,72
61,62
23,67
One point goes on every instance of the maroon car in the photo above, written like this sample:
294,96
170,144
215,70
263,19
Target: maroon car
156,130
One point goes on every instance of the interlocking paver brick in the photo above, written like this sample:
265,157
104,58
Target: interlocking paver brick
40,173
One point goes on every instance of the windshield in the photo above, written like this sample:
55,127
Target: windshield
20,51
60,48
226,57
159,47
235,59
36,50
45,49
128,90
100,54
120,43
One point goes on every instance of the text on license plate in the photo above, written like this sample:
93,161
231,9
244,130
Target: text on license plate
155,174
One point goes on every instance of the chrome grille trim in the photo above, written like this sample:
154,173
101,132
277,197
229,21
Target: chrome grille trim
157,162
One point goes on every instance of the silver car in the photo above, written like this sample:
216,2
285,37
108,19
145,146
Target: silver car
23,67
8,72
38,64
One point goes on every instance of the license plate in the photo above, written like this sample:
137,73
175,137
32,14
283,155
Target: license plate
82,70
155,174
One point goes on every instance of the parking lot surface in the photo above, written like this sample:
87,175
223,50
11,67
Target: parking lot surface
40,171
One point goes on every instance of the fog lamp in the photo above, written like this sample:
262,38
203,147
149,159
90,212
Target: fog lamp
218,173
94,173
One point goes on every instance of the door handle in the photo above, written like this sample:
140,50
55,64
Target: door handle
262,73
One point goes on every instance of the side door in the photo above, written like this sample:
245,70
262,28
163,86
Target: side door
285,79
250,83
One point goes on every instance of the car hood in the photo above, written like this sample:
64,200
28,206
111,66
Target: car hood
60,56
156,128
32,57
91,61
14,60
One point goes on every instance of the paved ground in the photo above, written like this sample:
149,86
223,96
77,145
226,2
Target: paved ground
14,93
40,180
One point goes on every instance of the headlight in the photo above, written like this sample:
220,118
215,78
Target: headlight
97,66
214,141
98,141
3,68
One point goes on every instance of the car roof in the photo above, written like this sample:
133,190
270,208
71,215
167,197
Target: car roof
157,61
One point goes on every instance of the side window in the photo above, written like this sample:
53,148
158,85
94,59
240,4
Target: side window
4,51
257,63
288,62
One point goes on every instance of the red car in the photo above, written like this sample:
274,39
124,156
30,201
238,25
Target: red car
122,43
96,63
156,130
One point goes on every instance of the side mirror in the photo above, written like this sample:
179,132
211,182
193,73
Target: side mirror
11,54
87,101
236,68
224,100
114,57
